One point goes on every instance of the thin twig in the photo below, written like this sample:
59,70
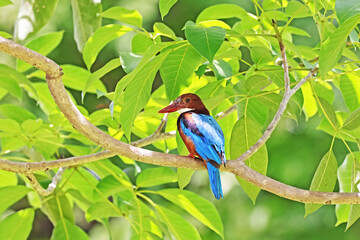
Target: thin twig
304,80
221,115
45,192
287,94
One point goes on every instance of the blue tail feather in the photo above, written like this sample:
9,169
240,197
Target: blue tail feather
215,181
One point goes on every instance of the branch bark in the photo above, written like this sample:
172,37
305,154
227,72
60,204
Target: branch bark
56,87
45,192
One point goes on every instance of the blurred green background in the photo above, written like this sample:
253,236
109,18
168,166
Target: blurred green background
295,149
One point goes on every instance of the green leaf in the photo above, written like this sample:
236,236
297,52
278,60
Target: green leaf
271,5
86,20
18,225
255,108
309,106
124,15
99,39
7,83
324,90
346,9
331,50
5,3
199,207
66,230
324,179
102,209
141,42
56,208
43,44
143,64
5,34
296,31
111,185
328,110
108,67
297,10
206,41
350,136
354,215
32,16
77,182
164,6
11,143
353,121
161,29
155,176
245,133
350,89
46,142
256,83
177,69
220,11
260,55
277,76
79,198
10,127
31,125
8,72
184,176
222,69
346,178
179,227
138,92
8,178
16,113
273,100
10,195
144,218
129,61
77,78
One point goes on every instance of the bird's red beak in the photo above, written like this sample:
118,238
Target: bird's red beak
171,108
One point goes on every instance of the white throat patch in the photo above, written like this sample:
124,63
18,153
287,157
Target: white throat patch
182,110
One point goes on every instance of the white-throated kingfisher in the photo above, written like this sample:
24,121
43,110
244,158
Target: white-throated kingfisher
202,136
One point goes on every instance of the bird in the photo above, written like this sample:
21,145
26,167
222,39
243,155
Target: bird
202,136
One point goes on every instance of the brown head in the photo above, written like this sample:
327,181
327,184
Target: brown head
188,102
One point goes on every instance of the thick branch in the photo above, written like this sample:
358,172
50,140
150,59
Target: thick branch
79,122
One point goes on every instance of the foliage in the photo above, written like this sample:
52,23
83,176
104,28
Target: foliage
229,56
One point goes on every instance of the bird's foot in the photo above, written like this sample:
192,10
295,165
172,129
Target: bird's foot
193,156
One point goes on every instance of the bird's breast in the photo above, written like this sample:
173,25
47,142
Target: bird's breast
189,124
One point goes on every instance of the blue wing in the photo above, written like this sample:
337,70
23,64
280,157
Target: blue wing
206,136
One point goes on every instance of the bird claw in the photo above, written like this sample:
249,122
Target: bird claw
193,156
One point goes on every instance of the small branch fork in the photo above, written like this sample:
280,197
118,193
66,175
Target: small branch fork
115,147
287,95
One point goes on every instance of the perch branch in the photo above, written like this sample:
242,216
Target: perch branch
53,72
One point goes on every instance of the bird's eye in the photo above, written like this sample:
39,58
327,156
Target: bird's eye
187,100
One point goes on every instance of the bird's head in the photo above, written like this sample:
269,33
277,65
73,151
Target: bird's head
186,103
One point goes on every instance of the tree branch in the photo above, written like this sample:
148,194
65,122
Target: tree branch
45,192
287,94
56,87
